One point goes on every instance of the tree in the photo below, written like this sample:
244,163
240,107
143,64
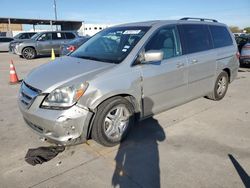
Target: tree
235,29
247,29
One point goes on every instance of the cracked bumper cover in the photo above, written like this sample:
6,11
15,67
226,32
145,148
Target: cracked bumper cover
59,126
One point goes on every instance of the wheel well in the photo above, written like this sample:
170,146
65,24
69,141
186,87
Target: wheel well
130,98
227,70
29,47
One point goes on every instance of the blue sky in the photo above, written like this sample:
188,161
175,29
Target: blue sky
231,12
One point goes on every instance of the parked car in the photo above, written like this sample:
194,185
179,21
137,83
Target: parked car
4,43
19,38
42,43
241,41
245,54
24,35
128,72
72,45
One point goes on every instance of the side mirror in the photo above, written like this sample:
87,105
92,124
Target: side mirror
153,55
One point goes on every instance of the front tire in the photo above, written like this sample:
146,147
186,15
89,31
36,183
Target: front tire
113,120
220,87
29,53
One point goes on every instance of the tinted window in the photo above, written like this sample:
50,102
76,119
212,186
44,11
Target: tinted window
5,39
58,36
221,36
167,40
31,34
45,36
69,35
24,36
196,38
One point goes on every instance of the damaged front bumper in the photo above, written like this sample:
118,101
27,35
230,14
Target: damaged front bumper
63,127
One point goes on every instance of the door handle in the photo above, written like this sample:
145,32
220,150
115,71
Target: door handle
179,65
194,61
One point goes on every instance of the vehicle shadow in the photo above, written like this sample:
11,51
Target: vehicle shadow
242,173
137,159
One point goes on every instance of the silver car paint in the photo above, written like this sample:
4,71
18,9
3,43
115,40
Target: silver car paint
170,83
4,46
41,47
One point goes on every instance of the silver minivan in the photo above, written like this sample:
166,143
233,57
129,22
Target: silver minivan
127,73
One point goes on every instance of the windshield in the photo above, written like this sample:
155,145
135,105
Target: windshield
111,45
17,36
35,36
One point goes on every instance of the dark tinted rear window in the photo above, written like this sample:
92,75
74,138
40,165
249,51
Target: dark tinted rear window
221,36
196,38
69,35
57,36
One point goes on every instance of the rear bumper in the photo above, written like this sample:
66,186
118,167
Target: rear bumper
245,59
63,127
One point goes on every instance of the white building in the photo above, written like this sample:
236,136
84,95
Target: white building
91,29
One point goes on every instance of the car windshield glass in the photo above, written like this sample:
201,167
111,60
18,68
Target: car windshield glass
17,36
111,45
35,36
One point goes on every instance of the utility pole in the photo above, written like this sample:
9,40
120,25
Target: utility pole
55,12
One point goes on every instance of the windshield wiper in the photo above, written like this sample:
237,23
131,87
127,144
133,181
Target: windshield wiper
96,59
89,57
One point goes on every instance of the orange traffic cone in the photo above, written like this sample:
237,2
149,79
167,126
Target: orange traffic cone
13,76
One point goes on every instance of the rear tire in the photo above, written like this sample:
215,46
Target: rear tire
113,120
29,53
220,87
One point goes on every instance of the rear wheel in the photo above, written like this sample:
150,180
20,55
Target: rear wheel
220,87
29,53
112,122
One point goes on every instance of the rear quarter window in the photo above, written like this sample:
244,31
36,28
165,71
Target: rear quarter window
58,36
69,35
196,38
221,36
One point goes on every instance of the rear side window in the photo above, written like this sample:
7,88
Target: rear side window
196,38
58,36
221,36
69,35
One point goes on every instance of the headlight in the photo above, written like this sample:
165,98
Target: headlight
65,96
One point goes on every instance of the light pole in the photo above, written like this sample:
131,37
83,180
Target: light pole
55,12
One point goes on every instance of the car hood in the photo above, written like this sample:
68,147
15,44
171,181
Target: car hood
64,70
20,40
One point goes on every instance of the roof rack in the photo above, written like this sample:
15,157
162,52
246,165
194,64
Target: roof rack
201,19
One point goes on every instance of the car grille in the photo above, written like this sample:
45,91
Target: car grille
34,127
28,94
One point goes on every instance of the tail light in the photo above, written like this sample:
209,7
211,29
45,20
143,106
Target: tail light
238,55
247,47
71,48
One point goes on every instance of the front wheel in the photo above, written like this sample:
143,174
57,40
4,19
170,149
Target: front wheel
220,87
29,53
112,122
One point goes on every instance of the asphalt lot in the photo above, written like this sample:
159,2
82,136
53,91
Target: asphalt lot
200,144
